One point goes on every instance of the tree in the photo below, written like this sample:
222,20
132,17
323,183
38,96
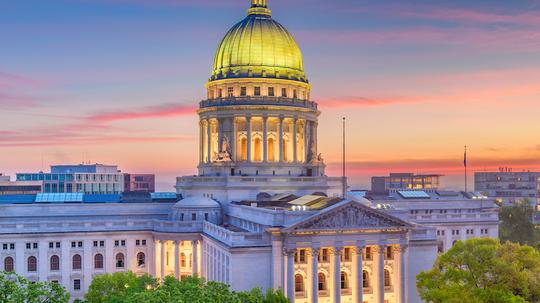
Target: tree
16,289
516,223
483,270
128,288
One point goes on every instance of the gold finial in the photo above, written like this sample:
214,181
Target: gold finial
258,3
259,7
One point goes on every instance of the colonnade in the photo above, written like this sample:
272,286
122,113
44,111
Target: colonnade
252,138
163,262
332,282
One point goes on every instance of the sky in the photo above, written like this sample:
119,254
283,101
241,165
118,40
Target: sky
118,81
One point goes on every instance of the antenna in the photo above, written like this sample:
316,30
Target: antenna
465,165
344,160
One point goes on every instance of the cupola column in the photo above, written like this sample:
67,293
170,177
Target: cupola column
208,141
295,139
248,132
280,130
265,138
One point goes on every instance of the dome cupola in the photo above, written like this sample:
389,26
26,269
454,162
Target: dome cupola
258,47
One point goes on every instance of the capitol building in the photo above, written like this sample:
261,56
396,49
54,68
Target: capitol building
261,212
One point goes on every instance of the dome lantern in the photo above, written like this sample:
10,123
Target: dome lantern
259,7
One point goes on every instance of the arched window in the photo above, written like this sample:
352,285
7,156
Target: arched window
243,149
55,263
31,264
344,280
98,261
76,262
119,260
141,259
271,151
322,281
365,279
257,150
182,260
298,283
8,264
387,281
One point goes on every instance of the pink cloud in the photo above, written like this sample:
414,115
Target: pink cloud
160,111
368,102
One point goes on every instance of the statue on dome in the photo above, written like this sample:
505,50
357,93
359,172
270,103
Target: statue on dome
225,154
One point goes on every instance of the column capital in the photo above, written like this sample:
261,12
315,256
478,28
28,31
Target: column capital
314,251
289,252
403,247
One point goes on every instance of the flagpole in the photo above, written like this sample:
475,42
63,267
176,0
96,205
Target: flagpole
344,171
465,164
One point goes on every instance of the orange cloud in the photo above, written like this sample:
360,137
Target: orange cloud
160,111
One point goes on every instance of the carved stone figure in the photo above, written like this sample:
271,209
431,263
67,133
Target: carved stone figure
224,154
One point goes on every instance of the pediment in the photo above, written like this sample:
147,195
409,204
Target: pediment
349,216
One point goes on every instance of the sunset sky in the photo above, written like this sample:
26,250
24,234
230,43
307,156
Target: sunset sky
118,81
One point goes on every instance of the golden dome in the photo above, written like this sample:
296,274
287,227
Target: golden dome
258,47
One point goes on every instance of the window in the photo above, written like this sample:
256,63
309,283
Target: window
31,264
76,263
387,281
346,256
243,91
120,260
101,243
389,253
116,243
95,243
367,253
220,93
182,260
193,216
344,280
300,256
298,283
141,259
257,91
323,256
322,281
137,242
79,244
35,245
98,261
8,264
5,246
206,216
55,263
365,279
77,284
295,94
143,242
284,92
58,245
230,91
11,245
73,244
51,244
271,92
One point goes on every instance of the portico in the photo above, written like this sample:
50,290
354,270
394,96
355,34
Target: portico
177,257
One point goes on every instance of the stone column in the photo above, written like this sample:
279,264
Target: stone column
359,286
265,139
289,253
280,131
201,142
248,127
277,260
208,141
403,273
380,271
176,260
232,140
220,131
295,138
306,140
314,140
315,274
194,261
162,264
337,273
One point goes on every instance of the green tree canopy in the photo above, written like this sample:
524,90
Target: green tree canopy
16,289
483,270
128,288
516,223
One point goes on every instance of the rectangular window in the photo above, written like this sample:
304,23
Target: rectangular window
35,245
257,91
295,94
367,253
116,243
347,254
73,244
143,242
5,246
271,92
95,243
123,243
79,244
76,284
220,93
51,244
12,246
28,245
284,92
243,91
137,242
230,91
205,216
101,243
302,257
193,216
58,244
